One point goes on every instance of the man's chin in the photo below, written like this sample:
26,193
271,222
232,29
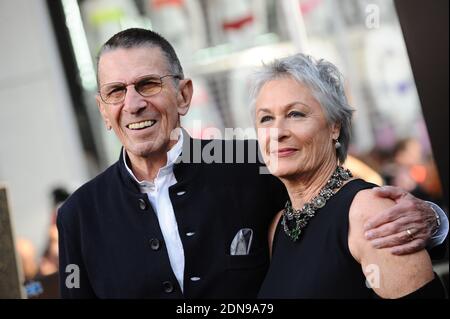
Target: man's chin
147,150
143,150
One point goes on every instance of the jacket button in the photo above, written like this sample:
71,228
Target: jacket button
142,204
168,287
155,244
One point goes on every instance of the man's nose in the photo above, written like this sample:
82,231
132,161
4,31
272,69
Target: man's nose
134,102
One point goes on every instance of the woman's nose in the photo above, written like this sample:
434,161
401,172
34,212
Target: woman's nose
279,131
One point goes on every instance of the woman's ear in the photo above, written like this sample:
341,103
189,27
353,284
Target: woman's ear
184,97
335,131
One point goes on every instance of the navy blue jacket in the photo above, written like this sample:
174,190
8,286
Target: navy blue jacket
110,231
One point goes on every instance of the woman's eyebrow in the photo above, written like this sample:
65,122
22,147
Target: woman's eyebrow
287,106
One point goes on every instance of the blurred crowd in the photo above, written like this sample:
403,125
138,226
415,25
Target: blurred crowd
409,166
40,273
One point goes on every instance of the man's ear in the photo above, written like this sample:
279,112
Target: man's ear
335,131
185,92
101,108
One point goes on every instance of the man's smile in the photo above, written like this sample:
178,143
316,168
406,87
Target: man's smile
141,125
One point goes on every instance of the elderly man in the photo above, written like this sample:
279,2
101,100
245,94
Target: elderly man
158,223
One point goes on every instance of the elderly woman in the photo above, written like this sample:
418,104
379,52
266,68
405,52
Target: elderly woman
318,245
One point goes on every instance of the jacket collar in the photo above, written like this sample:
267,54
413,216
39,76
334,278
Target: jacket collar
183,168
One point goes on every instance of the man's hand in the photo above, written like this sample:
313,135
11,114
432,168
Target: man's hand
405,227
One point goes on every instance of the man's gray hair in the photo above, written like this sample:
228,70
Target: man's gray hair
325,82
137,38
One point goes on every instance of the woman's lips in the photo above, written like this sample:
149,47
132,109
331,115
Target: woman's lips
284,152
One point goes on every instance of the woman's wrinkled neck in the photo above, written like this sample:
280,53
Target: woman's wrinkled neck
303,187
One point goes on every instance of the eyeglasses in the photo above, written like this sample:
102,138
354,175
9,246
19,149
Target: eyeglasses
148,85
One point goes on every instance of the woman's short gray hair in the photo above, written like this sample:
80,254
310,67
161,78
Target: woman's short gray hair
325,82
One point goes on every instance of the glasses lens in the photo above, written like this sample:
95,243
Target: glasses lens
149,86
113,93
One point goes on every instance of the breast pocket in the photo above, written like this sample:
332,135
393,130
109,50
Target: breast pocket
254,260
245,274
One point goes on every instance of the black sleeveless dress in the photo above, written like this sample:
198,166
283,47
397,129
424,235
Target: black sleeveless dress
319,264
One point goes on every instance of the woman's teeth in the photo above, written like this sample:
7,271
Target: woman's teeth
141,125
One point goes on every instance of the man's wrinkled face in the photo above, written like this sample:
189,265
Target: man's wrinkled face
142,124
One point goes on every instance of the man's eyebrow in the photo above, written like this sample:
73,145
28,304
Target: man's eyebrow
114,84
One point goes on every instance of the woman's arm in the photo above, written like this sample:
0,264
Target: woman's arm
391,276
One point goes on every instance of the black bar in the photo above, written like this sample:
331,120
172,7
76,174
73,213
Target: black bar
425,29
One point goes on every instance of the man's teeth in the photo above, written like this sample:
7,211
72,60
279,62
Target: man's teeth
136,126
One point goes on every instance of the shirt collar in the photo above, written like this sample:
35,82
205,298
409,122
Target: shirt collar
172,156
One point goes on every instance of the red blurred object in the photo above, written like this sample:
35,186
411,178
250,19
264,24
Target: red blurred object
161,3
308,6
418,173
238,24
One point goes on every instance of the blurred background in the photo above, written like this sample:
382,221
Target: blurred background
52,138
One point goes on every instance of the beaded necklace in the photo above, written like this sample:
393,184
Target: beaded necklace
294,221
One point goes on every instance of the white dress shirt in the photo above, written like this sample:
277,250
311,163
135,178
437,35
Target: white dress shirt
441,233
158,195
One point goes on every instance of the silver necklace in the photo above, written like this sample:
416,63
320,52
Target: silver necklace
294,221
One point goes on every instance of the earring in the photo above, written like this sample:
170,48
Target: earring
108,127
337,145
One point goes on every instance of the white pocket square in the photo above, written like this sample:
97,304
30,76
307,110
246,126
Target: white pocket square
242,242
